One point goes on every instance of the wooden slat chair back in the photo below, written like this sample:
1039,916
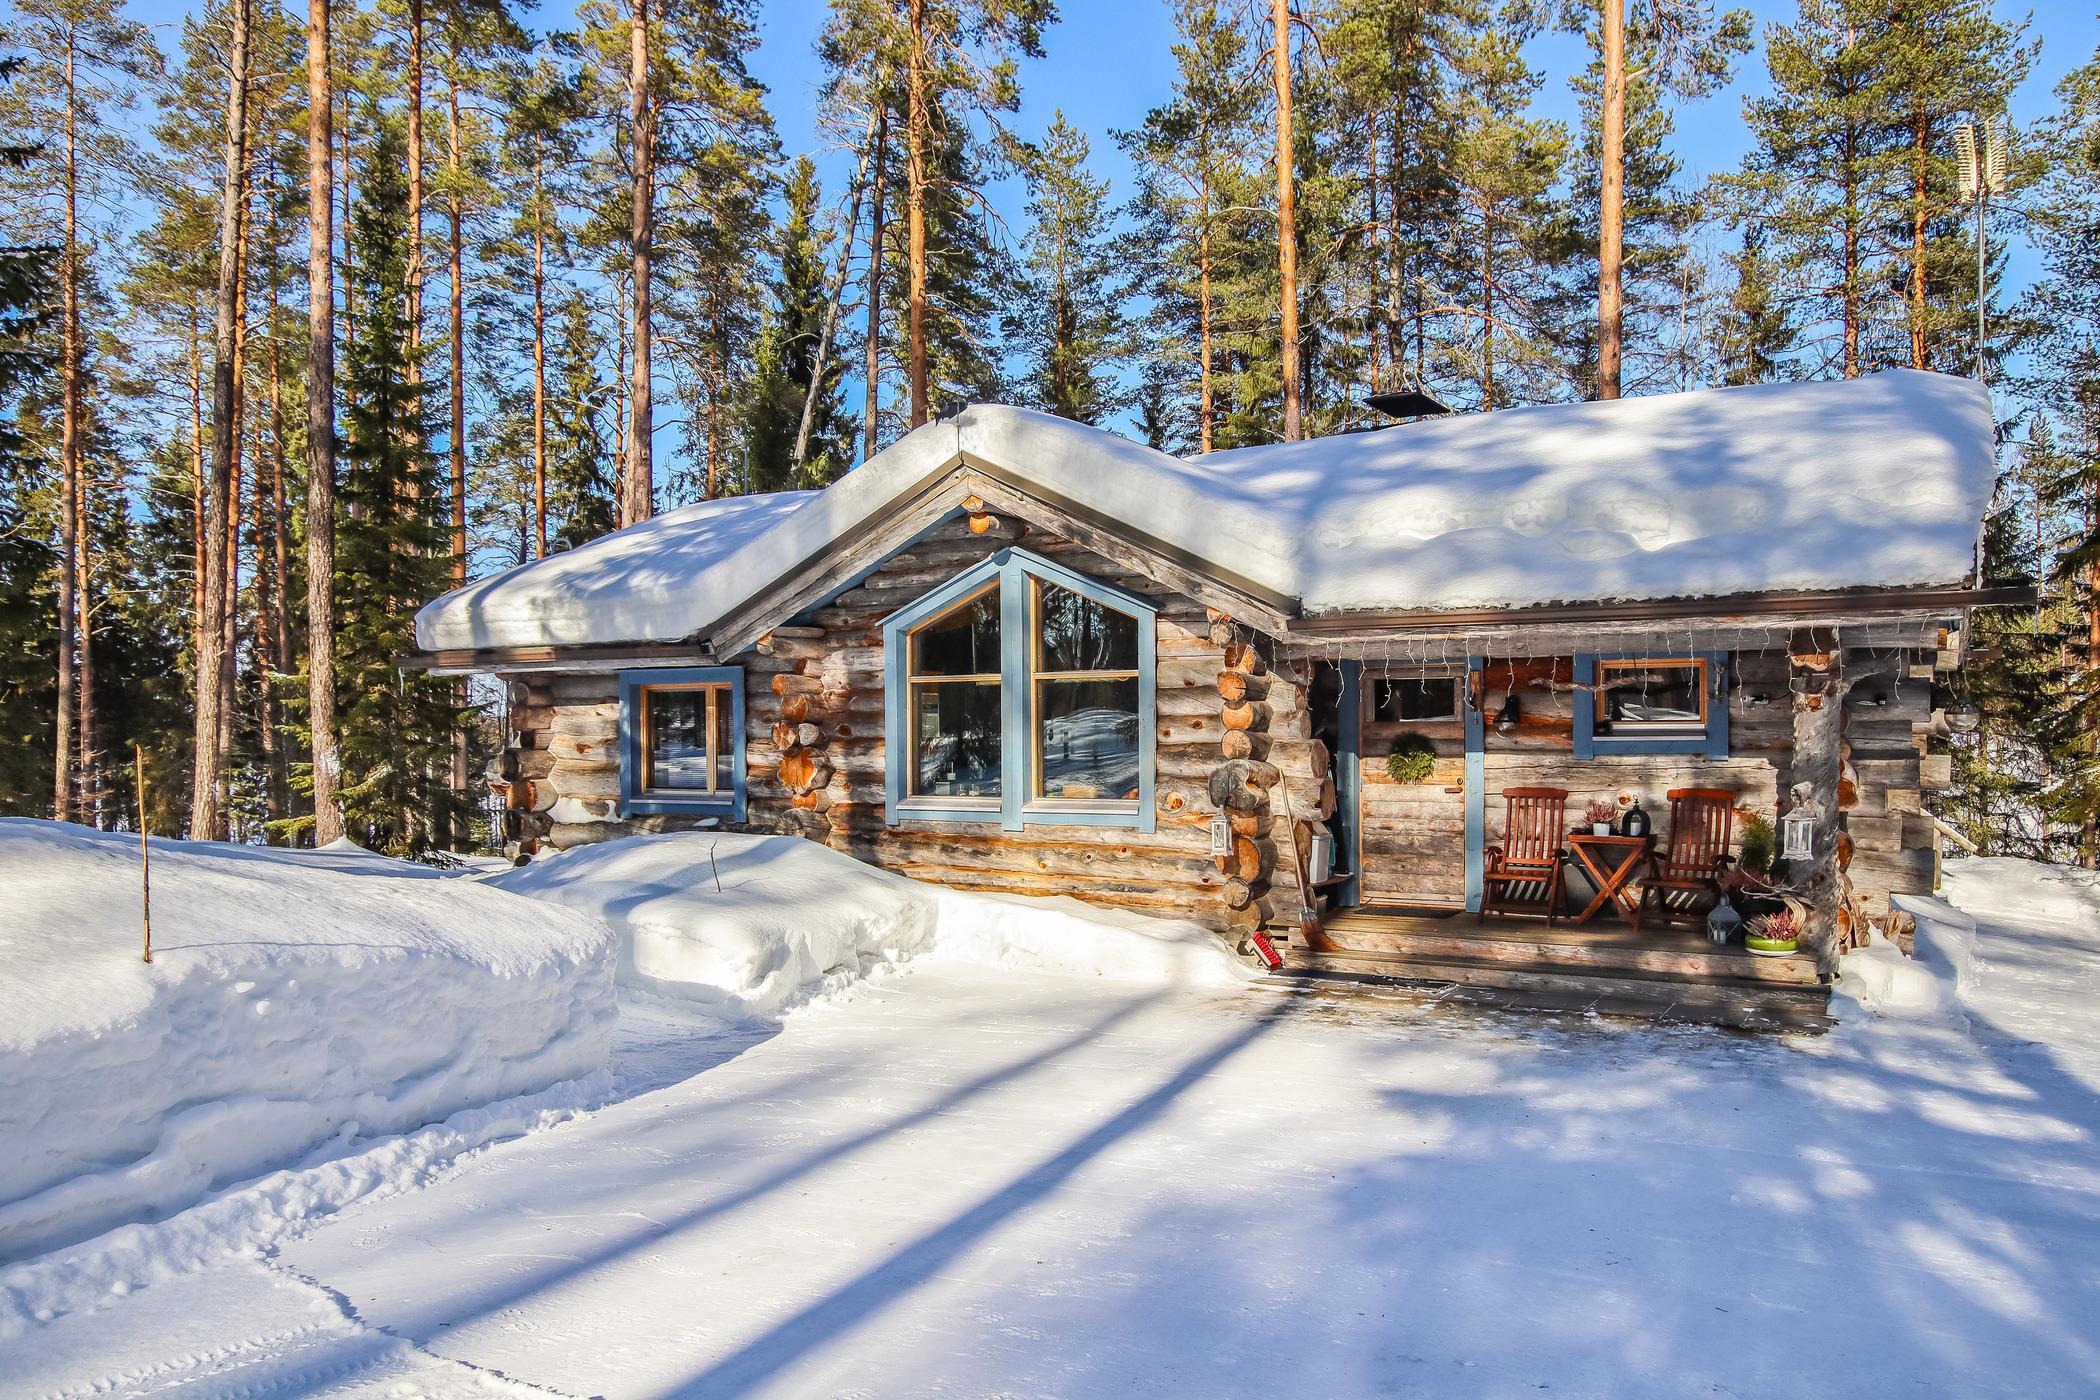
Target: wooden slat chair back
1524,872
1684,879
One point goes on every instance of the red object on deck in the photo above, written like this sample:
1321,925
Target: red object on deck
1267,951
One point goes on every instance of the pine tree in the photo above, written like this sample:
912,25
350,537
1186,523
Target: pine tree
1188,154
1756,335
580,486
1819,180
393,548
1510,232
784,359
1070,330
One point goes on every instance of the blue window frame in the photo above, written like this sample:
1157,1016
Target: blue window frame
682,741
1687,709
1021,692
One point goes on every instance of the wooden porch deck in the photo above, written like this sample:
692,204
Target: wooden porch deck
1671,974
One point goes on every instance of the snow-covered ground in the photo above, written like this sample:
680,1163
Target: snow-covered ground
955,1178
295,1001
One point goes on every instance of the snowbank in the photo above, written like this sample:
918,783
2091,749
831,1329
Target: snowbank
748,925
294,998
741,925
2000,925
1066,935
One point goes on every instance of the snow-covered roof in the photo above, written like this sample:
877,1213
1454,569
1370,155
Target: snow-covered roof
1874,482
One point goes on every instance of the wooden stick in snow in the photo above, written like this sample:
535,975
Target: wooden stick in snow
138,760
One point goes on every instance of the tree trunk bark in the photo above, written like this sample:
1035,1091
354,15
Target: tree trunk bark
415,189
455,249
87,796
1286,217
539,358
1611,186
69,456
1919,134
639,488
916,123
871,406
320,428
210,662
1812,779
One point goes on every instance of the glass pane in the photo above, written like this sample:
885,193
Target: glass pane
1081,635
957,726
678,749
1652,694
964,642
1089,739
725,751
1417,698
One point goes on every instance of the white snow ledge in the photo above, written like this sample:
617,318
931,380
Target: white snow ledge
1801,487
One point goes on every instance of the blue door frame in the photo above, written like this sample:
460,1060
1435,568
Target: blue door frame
1350,760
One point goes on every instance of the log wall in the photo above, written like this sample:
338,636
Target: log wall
815,756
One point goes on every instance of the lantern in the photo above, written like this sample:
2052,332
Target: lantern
1723,921
1798,833
1506,722
1964,716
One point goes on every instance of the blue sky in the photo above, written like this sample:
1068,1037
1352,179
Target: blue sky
1107,63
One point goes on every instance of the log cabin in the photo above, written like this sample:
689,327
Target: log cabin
1020,654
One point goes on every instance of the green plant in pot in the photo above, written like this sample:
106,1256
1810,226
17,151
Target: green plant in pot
1412,759
1760,844
1773,935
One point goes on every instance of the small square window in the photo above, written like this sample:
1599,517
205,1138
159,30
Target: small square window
1416,698
681,741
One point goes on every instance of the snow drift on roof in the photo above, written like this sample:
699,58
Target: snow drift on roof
626,586
1880,481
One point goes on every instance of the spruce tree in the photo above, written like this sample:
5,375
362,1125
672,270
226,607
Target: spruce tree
393,547
1070,331
580,463
783,361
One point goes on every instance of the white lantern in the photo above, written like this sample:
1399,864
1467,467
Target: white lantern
1798,831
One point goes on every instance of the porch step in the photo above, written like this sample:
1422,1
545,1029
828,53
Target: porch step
1728,1001
1587,949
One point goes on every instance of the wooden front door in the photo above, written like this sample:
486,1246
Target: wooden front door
1413,834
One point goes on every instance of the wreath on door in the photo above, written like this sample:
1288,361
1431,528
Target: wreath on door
1412,759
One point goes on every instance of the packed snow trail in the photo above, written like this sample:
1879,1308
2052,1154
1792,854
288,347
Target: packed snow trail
965,1180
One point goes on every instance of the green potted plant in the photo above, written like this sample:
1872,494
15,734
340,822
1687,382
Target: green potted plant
1774,935
1412,759
1760,844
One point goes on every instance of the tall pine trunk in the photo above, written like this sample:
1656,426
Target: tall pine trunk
415,189
539,354
87,794
916,127
1611,190
638,490
1920,135
211,690
871,406
320,426
69,525
456,255
1286,217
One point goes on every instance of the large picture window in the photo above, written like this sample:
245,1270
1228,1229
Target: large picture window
682,741
955,713
1022,690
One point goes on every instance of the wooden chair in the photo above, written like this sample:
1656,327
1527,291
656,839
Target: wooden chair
1684,881
1524,872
